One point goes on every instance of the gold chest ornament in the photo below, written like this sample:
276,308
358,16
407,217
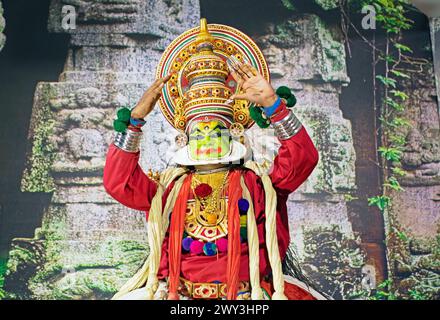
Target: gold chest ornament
206,217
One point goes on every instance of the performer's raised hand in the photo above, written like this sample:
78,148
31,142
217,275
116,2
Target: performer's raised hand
254,86
149,98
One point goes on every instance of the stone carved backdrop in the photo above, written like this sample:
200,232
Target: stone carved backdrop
414,258
306,56
88,244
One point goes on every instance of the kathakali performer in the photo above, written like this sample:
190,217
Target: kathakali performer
217,226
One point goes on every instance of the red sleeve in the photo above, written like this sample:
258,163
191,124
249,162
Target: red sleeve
125,181
296,159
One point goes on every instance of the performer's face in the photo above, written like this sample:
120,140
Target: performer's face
209,140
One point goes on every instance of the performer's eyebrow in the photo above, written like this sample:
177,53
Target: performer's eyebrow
217,127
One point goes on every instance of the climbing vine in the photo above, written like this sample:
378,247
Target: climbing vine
393,64
391,16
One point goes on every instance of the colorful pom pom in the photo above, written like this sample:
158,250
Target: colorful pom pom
186,243
222,245
203,190
124,114
196,247
119,126
123,120
283,92
210,248
243,220
243,234
291,101
257,115
286,94
243,205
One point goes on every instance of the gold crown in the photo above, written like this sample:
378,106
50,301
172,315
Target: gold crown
206,73
201,85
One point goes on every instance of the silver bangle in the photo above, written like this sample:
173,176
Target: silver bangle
288,127
128,141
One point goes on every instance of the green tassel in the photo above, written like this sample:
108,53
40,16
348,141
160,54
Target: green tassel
291,101
253,112
263,124
257,115
286,94
124,114
120,126
243,233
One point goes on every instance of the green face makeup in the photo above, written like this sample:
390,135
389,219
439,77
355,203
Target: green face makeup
208,141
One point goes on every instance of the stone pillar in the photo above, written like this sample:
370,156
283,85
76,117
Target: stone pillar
414,218
305,55
2,27
88,244
435,40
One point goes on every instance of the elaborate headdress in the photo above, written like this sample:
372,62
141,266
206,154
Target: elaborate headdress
201,84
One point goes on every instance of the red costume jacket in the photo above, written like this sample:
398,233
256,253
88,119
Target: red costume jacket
126,182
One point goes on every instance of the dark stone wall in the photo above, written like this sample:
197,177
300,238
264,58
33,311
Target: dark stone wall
30,55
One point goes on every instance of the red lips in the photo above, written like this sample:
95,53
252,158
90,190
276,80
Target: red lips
208,151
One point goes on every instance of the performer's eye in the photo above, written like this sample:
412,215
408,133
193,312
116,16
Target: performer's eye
215,135
197,137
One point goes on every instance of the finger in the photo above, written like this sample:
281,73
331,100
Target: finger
158,89
166,78
240,72
160,81
155,83
248,70
234,66
252,69
237,78
239,96
246,75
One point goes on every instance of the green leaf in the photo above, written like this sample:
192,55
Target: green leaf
384,284
288,4
400,74
397,139
388,58
402,47
390,153
399,94
393,184
402,235
400,122
348,197
389,82
380,201
398,171
393,104
416,295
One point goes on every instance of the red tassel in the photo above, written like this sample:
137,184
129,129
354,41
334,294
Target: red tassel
234,245
175,238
